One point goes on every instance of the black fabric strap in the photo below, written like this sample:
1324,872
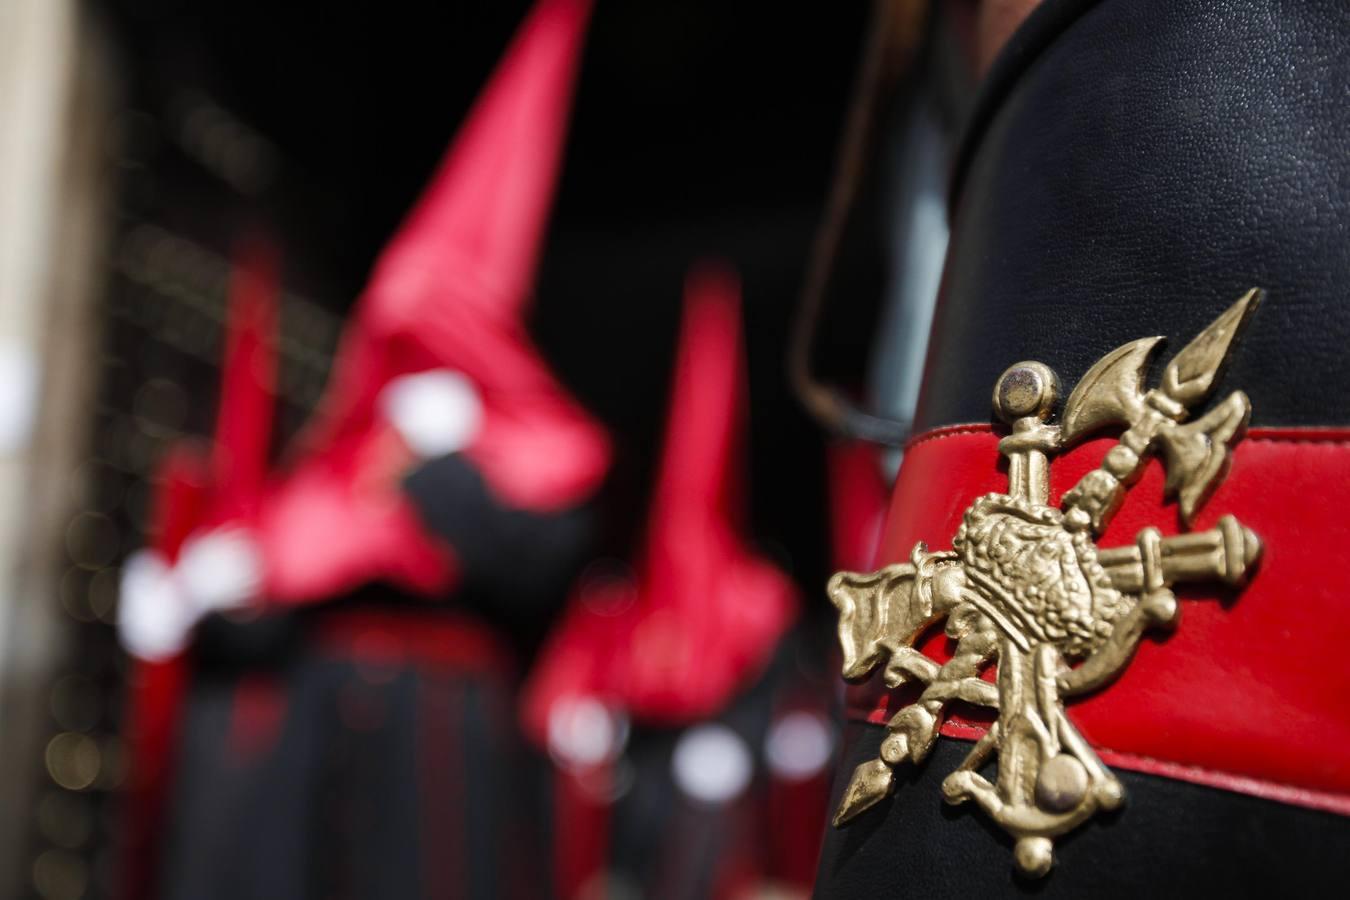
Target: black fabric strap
1171,839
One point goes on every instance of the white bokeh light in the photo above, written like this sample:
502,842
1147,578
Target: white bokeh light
799,745
435,412
582,732
220,570
153,616
712,764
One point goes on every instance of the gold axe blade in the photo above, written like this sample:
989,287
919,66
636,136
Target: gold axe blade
1112,391
1197,455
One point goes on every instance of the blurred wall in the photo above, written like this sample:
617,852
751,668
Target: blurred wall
53,109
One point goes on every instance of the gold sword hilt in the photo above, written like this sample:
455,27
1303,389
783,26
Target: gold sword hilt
1024,395
1227,551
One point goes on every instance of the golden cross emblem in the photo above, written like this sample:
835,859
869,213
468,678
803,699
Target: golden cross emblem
1026,589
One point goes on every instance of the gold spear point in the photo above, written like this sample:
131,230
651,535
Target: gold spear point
1192,372
870,784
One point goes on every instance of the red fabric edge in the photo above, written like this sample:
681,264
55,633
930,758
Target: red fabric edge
1328,801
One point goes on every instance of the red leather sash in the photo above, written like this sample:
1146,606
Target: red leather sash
433,639
1252,691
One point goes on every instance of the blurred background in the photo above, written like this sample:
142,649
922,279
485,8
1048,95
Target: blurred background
140,140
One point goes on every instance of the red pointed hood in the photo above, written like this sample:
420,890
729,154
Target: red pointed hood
243,435
200,486
181,498
698,490
707,612
449,292
477,228
713,610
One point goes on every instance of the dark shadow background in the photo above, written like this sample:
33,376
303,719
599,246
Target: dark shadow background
700,129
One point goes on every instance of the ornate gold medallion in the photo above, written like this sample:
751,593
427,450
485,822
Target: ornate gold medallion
1026,589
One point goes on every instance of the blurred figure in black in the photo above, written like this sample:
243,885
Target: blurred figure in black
692,748
337,635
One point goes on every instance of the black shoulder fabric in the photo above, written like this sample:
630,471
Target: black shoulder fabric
1047,21
1136,173
516,563
1171,839
516,568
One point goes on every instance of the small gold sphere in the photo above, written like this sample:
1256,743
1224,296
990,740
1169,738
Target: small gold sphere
1061,784
1034,856
1110,795
1025,389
